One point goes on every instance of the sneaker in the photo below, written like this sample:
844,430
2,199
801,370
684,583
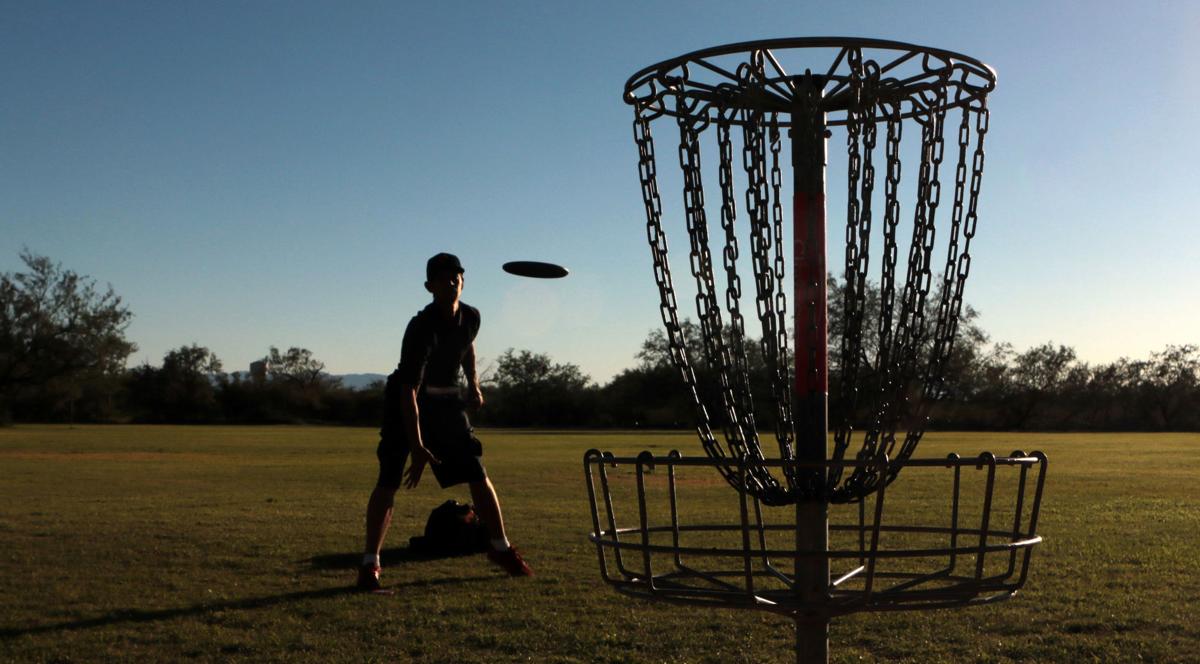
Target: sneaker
368,580
511,561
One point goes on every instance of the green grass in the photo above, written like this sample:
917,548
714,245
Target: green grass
218,544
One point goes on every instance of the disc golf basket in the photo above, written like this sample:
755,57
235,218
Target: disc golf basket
808,534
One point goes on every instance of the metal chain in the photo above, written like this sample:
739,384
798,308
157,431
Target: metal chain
887,298
947,315
898,360
733,291
757,480
958,267
755,135
913,335
911,328
757,197
784,432
900,336
707,310
861,119
863,479
913,340
662,277
846,373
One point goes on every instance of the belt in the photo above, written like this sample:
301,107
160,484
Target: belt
440,391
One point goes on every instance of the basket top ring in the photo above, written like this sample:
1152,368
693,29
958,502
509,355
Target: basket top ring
723,83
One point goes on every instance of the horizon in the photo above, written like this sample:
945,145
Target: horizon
248,176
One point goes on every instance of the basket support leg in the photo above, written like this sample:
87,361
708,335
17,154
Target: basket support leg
812,583
812,640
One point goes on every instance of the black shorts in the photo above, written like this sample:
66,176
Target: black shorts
446,432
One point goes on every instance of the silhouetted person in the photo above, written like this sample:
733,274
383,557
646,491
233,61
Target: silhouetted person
425,419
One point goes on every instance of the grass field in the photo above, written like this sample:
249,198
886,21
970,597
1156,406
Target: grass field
219,544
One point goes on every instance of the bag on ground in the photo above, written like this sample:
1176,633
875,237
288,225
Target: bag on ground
453,529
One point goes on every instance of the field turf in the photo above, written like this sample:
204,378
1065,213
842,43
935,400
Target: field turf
239,544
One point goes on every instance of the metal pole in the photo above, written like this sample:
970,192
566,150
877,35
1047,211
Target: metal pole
812,364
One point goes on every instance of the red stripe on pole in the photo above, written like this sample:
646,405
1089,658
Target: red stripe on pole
811,321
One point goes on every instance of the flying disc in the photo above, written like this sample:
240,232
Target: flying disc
536,269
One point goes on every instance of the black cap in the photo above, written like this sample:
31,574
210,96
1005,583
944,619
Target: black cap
442,263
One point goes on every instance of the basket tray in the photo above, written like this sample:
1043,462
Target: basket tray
668,528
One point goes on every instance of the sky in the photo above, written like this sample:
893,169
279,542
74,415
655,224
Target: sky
257,174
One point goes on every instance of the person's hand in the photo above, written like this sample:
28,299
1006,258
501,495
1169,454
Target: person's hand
420,456
475,397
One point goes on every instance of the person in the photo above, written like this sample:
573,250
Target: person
425,420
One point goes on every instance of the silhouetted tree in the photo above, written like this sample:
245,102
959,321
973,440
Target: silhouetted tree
297,387
296,366
529,389
182,390
1169,389
1034,377
59,336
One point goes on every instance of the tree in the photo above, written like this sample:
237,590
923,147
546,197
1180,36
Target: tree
58,331
298,367
1102,397
526,369
195,362
297,387
1042,369
530,389
181,391
1170,389
1031,388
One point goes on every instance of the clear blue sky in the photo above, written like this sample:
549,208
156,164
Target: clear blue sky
248,174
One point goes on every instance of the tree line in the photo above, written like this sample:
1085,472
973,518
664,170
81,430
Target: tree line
63,356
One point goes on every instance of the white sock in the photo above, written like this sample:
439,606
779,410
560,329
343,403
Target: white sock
501,544
371,559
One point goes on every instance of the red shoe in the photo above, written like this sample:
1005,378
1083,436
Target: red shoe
511,561
368,581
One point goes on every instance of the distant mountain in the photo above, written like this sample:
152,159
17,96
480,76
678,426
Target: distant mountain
361,380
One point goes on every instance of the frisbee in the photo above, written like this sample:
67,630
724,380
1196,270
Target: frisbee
535,269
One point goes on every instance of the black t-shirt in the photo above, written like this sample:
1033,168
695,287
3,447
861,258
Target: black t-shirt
434,346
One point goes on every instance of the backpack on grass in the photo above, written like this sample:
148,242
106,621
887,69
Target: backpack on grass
453,529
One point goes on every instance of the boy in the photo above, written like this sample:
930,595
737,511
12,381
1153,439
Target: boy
425,418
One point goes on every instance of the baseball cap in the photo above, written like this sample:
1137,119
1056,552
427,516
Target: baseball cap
442,262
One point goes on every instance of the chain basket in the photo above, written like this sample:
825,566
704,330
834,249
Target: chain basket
893,104
754,123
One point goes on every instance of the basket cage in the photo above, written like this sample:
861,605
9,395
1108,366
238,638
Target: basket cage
950,532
